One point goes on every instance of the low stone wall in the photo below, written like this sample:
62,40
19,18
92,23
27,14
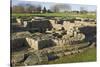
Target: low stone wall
40,44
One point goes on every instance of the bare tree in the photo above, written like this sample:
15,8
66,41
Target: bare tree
55,8
39,8
18,9
29,8
61,8
83,10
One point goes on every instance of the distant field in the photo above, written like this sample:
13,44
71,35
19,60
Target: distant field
89,55
89,15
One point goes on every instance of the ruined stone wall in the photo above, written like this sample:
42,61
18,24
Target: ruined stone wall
46,44
39,44
59,42
65,40
32,43
55,25
41,25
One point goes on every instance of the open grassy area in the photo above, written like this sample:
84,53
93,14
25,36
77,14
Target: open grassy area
89,55
89,15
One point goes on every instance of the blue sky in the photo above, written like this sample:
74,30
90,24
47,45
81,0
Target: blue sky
50,4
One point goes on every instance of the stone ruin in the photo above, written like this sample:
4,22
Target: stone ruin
71,33
41,41
42,24
46,39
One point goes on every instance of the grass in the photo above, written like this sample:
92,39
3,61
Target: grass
89,55
56,14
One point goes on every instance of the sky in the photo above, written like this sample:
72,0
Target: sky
48,5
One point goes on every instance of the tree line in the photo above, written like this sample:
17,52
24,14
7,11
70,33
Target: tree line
28,8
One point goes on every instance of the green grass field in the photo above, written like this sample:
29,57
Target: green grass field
89,55
89,15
